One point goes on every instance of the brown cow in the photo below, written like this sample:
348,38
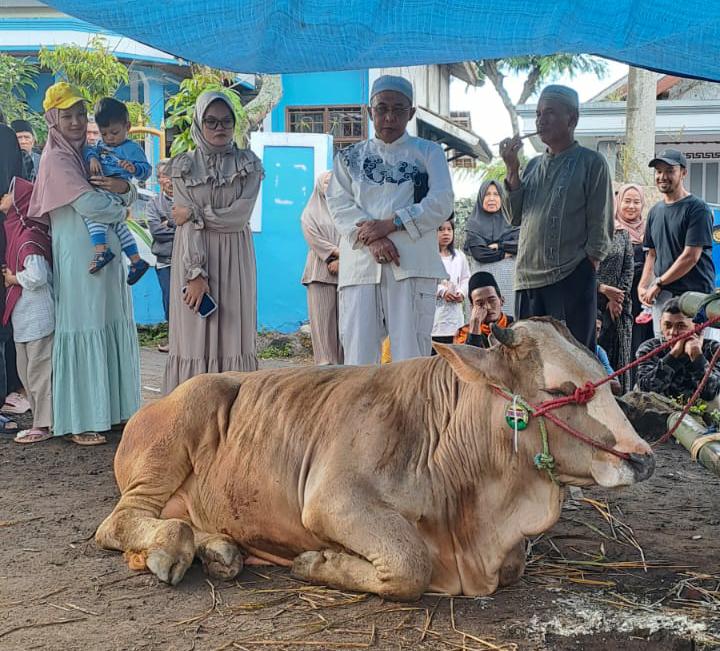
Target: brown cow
389,479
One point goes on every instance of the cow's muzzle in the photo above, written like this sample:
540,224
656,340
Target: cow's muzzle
643,465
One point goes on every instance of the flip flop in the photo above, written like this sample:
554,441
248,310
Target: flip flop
89,438
15,404
8,426
32,436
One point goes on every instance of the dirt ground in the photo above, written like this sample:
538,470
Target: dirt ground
585,586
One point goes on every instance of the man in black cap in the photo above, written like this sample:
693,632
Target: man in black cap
678,239
26,139
486,303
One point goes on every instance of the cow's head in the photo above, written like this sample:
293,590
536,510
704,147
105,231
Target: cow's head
539,360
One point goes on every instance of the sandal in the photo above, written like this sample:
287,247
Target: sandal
8,426
88,438
100,260
15,403
33,436
137,271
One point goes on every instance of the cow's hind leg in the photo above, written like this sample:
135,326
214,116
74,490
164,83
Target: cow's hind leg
391,558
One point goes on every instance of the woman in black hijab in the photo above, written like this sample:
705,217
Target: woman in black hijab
491,243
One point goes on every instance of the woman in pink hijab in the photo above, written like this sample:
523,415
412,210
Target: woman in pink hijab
96,367
630,216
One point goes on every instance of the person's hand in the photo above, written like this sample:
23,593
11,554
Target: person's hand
333,267
112,184
494,246
372,230
194,294
693,347
613,294
678,349
95,167
335,253
6,203
127,166
594,262
509,151
478,315
383,250
9,277
180,214
508,255
651,293
615,309
452,297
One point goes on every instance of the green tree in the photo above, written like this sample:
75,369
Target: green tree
17,75
94,69
537,71
180,106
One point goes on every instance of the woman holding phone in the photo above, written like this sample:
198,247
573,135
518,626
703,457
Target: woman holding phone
212,283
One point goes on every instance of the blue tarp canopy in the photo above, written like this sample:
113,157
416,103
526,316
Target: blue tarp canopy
314,35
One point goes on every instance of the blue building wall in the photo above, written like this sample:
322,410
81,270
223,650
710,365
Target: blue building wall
320,89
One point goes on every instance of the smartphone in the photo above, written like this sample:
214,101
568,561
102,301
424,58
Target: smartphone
207,304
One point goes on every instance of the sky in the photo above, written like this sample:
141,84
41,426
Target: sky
489,117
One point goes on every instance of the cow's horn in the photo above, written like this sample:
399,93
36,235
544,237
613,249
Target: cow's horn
505,336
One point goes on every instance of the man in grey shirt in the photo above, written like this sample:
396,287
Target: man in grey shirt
563,203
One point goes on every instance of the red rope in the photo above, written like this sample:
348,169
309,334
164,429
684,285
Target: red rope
584,394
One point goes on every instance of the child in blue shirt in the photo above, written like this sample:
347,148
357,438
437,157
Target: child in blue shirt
115,155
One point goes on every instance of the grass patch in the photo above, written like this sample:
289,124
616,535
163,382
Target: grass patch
152,335
275,351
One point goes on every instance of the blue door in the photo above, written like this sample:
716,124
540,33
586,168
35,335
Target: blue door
280,247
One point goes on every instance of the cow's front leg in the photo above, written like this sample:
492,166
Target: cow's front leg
165,547
392,559
220,554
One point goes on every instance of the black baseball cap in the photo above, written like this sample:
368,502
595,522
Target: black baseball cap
669,156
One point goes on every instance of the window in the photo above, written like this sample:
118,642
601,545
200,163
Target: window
462,119
704,175
346,124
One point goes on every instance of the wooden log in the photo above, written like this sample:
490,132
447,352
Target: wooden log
686,433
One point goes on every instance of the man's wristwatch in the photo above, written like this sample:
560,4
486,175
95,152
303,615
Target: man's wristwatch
398,222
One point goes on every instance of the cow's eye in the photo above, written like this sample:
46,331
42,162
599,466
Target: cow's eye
555,392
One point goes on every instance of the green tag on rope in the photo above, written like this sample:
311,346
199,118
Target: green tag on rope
517,416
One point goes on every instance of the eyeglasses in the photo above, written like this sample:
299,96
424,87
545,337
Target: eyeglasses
383,111
213,123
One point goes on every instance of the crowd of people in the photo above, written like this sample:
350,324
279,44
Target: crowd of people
552,239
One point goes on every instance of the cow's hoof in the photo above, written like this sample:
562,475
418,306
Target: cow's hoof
221,558
169,569
307,565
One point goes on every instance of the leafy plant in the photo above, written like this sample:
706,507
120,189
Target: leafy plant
274,351
17,75
95,70
152,335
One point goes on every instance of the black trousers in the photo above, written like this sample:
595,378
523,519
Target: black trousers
573,300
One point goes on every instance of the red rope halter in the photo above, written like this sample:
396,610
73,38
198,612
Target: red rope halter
584,394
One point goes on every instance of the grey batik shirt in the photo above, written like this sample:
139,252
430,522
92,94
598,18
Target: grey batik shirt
564,207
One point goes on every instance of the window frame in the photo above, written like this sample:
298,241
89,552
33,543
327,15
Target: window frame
338,143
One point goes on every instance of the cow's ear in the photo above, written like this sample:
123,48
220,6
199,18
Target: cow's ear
472,364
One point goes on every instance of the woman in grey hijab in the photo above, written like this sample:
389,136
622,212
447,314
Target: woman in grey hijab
214,189
491,243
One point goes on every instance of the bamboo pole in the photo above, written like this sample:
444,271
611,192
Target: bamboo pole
687,432
690,303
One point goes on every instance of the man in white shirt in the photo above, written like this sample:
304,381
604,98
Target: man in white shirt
389,258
